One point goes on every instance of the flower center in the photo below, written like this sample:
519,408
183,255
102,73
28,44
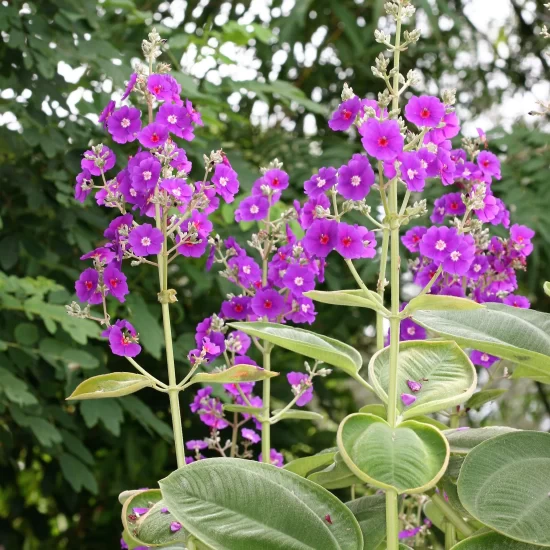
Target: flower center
145,241
125,340
246,269
254,209
155,137
411,173
383,141
299,281
275,182
172,119
323,239
268,304
176,192
321,182
477,268
415,238
89,285
305,308
425,113
238,308
411,331
486,163
113,282
125,122
157,89
355,181
485,357
455,255
147,175
440,245
133,192
223,182
454,206
346,241
346,114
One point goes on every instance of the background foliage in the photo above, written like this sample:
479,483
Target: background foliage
62,465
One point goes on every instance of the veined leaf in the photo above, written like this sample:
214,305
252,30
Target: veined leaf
486,541
435,302
370,512
352,298
463,440
484,396
308,464
114,384
235,374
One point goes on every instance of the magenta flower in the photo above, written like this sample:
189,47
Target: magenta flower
307,214
115,281
299,380
355,178
246,387
194,115
101,254
520,237
454,206
106,113
276,179
345,115
411,239
425,111
275,458
299,279
251,435
460,256
129,86
412,171
180,161
176,119
268,303
438,242
83,179
175,526
407,399
123,339
517,301
489,164
209,409
146,240
479,266
303,310
238,343
382,140
178,188
196,445
414,386
237,308
86,286
349,243
248,271
164,87
145,174
252,209
106,154
321,238
409,330
153,135
321,182
450,130
482,359
124,124
225,182
490,209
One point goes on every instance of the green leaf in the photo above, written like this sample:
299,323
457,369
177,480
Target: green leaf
447,375
484,396
504,483
151,336
462,440
80,358
15,389
296,414
380,410
235,374
370,512
523,371
434,302
107,410
114,384
487,541
77,448
410,458
435,515
242,409
356,298
77,474
520,335
26,334
146,417
306,343
153,528
335,476
242,514
308,464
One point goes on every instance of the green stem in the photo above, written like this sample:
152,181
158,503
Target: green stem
266,422
235,435
392,520
452,516
381,287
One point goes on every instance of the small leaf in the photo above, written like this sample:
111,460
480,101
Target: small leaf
229,504
236,374
433,302
335,476
352,298
80,358
462,441
230,407
504,483
370,512
523,371
77,474
306,343
484,396
486,541
295,414
114,384
106,410
445,372
26,334
308,464
410,458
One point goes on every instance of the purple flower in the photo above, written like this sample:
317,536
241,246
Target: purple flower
454,204
407,399
303,310
102,254
106,154
236,308
164,87
440,210
203,227
412,171
414,386
248,271
239,343
130,86
86,286
275,458
345,115
251,435
146,240
438,242
300,381
196,445
83,179
120,223
209,409
180,161
489,164
308,213
115,281
409,533
299,279
106,113
425,111
319,183
409,330
479,266
268,303
355,178
382,140
246,387
321,238
450,130
276,179
349,243
124,124
153,135
460,256
175,526
194,115
176,119
482,359
520,237
411,239
517,301
490,209
252,209
123,339
178,188
226,182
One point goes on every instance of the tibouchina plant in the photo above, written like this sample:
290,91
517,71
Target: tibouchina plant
419,482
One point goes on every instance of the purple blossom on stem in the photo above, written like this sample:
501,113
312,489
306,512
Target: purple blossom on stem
426,111
438,242
115,281
482,359
146,240
382,140
123,339
409,330
102,254
411,239
308,214
89,165
176,119
489,164
355,178
460,256
164,87
275,458
321,238
299,380
124,124
236,308
412,171
83,179
299,279
320,182
515,300
303,310
251,435
106,113
129,86
268,303
252,209
196,445
407,399
238,343
180,161
86,286
345,115
276,179
153,135
225,182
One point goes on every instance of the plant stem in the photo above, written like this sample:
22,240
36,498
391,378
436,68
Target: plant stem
266,422
392,518
235,435
452,516
381,287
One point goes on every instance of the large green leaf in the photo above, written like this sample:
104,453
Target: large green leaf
370,512
235,374
335,476
484,396
114,384
440,302
447,375
352,298
520,335
504,483
463,440
410,458
308,464
523,371
306,343
380,410
234,504
488,541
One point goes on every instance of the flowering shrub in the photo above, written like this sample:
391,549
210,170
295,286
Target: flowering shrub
392,453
